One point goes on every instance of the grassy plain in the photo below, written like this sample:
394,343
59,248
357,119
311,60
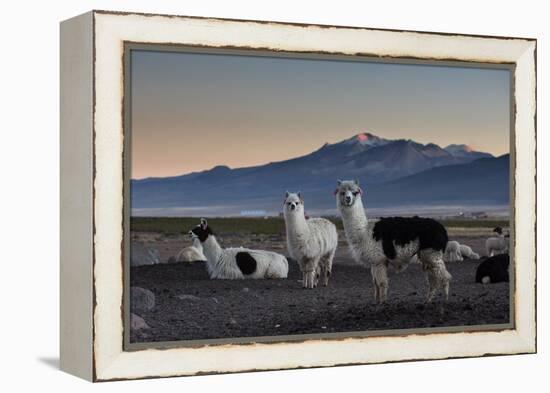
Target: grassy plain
276,225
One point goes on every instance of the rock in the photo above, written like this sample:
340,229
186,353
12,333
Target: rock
141,299
137,322
188,297
141,255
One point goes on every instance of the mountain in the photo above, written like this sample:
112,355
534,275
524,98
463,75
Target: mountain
483,181
371,159
465,151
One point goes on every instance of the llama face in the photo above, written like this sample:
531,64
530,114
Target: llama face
201,231
347,192
498,230
293,202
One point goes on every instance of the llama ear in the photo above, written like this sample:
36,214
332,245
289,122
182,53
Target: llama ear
204,223
300,196
339,182
356,181
287,194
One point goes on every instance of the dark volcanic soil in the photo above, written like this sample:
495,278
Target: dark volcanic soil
190,306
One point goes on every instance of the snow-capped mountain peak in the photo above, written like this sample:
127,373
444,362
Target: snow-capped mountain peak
459,149
463,151
366,139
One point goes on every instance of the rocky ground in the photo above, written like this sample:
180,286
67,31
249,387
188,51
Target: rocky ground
187,305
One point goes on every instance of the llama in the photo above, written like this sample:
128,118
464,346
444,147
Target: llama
494,269
191,253
392,241
467,252
237,263
452,252
498,244
311,242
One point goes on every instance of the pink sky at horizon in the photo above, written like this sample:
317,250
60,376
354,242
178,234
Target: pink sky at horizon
193,112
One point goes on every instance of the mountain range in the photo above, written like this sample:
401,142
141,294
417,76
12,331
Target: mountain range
392,172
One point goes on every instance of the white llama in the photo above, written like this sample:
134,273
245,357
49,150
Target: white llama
392,241
311,242
191,253
452,252
467,252
237,263
497,245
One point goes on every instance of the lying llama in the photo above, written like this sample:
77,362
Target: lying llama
467,252
494,269
237,263
452,252
498,244
192,253
392,241
311,242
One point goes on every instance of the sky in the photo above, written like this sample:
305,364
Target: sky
191,112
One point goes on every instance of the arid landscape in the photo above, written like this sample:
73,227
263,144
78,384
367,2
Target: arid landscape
177,301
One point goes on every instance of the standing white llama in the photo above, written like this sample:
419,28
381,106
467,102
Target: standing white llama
497,245
237,263
392,241
311,242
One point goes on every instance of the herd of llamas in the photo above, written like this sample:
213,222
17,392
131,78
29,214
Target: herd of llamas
391,242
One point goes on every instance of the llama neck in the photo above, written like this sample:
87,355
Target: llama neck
212,250
197,244
296,225
355,223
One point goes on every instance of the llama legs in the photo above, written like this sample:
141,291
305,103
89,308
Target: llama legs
436,273
309,279
325,267
379,273
309,269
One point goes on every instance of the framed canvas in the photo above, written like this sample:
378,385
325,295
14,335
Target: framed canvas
245,195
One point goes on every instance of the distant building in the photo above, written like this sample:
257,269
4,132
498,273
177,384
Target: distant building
253,213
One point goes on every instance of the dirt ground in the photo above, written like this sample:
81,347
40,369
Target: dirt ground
190,306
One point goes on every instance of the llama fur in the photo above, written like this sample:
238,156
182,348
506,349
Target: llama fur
494,269
311,242
392,242
191,253
237,263
452,252
467,252
498,244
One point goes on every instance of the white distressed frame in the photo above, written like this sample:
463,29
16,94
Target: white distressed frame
111,30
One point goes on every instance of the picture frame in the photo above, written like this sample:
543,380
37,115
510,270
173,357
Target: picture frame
94,216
